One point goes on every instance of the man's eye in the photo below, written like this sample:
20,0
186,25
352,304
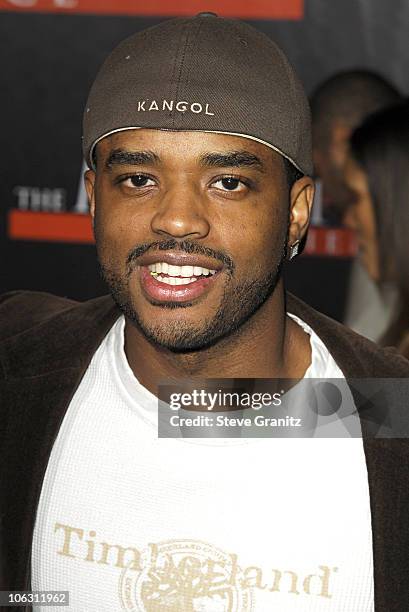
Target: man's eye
229,183
138,180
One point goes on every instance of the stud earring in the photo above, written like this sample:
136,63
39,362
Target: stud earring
294,249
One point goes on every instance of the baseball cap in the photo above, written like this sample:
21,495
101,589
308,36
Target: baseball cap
203,73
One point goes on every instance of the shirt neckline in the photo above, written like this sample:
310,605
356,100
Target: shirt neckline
322,364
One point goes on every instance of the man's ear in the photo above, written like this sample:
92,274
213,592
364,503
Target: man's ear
89,180
301,199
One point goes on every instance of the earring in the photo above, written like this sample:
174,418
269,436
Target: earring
294,249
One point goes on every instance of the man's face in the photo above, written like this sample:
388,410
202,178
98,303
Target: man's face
191,230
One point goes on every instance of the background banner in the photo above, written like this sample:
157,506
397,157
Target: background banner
256,9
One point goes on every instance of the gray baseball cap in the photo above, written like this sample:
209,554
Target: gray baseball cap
203,73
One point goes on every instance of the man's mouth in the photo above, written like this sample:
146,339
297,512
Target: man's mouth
165,282
178,275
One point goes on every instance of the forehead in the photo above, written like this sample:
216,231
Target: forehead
172,145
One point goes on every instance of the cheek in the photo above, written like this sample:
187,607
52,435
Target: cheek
109,228
118,229
255,238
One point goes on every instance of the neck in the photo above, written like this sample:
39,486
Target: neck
268,345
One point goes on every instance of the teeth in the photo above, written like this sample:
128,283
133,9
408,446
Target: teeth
171,280
186,271
181,271
175,270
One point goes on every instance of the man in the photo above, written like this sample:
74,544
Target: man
339,104
197,136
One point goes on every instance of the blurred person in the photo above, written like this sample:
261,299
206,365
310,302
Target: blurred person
200,188
339,105
377,173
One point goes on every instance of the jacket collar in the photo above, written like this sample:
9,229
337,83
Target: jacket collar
69,337
356,356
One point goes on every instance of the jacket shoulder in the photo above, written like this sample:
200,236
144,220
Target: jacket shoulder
22,310
355,355
42,333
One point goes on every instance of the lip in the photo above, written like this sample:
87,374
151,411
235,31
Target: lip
160,292
180,259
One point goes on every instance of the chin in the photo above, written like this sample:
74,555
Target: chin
180,345
177,336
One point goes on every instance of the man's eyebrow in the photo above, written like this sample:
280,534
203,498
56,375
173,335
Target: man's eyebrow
232,159
133,158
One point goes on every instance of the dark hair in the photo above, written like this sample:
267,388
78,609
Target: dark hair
350,96
94,157
293,174
381,148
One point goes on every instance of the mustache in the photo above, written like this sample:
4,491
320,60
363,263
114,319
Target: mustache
187,246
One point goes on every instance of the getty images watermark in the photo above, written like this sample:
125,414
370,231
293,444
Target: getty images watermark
260,408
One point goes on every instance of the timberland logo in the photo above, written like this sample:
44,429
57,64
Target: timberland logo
186,575
189,575
181,106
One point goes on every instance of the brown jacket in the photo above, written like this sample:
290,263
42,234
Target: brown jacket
46,344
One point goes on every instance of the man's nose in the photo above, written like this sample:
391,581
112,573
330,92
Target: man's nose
181,213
